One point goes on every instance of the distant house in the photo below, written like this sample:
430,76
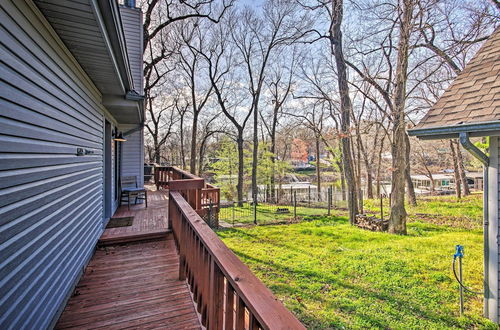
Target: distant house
446,181
470,107
441,181
70,84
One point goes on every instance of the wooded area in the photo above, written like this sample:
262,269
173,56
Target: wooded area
244,93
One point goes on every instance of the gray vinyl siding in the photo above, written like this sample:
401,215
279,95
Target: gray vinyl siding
132,162
50,199
132,28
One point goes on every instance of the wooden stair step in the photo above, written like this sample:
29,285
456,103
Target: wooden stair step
134,237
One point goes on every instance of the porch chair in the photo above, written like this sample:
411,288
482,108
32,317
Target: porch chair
130,189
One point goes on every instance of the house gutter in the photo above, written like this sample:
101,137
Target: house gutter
477,153
450,132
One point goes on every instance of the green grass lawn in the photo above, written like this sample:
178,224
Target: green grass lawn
333,275
466,212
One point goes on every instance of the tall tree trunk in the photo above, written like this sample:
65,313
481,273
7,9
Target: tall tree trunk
456,173
183,153
255,154
241,159
318,171
410,189
357,166
461,170
342,181
201,154
194,134
379,166
345,107
397,219
273,151
156,150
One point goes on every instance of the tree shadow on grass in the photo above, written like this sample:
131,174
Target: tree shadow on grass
404,306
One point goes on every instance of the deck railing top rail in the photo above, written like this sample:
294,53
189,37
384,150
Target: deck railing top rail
232,297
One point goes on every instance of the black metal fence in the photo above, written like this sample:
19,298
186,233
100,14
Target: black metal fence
293,206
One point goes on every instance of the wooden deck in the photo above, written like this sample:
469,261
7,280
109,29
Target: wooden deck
133,285
149,223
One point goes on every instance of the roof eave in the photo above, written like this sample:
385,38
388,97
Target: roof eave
451,132
111,25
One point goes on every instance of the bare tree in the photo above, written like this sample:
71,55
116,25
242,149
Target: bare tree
221,60
160,124
256,40
335,38
279,86
190,62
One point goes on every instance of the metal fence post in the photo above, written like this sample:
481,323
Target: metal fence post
210,213
309,195
361,201
233,213
334,195
295,205
381,207
291,194
255,209
329,197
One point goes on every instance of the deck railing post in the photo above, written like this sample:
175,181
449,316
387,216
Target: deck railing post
229,307
216,300
240,314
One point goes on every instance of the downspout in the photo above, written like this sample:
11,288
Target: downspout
477,153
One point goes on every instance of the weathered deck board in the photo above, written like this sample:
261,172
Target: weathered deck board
149,223
132,286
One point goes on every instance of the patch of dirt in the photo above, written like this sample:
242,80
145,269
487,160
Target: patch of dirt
444,220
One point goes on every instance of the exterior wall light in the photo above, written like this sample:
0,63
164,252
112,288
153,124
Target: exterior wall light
118,136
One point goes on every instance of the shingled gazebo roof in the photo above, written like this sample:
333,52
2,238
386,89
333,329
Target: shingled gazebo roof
472,103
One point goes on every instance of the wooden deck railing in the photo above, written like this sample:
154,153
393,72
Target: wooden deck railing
200,195
226,292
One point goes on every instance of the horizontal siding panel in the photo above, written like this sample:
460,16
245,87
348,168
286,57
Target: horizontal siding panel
19,193
14,81
16,128
49,68
46,227
25,161
14,95
25,145
17,177
43,264
44,119
51,200
28,211
67,272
